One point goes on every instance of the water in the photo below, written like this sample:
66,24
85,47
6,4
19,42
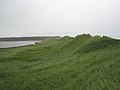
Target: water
9,44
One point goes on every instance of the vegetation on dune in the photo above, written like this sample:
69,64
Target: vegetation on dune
84,62
99,43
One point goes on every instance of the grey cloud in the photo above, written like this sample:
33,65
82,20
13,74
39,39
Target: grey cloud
59,17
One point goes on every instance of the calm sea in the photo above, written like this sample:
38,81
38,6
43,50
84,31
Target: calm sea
16,43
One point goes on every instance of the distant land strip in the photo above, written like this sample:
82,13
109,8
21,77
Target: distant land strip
27,38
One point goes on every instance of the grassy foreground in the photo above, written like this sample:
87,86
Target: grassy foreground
81,63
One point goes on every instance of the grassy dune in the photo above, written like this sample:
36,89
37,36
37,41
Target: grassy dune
81,63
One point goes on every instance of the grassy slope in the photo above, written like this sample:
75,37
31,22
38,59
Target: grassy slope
80,63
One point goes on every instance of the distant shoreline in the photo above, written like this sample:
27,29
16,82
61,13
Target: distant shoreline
26,38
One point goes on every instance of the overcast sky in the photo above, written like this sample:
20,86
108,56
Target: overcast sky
59,17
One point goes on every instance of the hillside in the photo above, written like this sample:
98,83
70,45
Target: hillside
83,62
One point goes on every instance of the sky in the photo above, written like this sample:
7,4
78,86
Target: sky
59,17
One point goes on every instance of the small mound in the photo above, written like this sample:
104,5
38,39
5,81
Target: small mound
83,36
66,38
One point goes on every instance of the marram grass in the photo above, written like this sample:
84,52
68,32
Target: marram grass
81,63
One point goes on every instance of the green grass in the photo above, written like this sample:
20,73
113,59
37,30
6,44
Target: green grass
81,63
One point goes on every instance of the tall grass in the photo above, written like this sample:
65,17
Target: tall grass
81,63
